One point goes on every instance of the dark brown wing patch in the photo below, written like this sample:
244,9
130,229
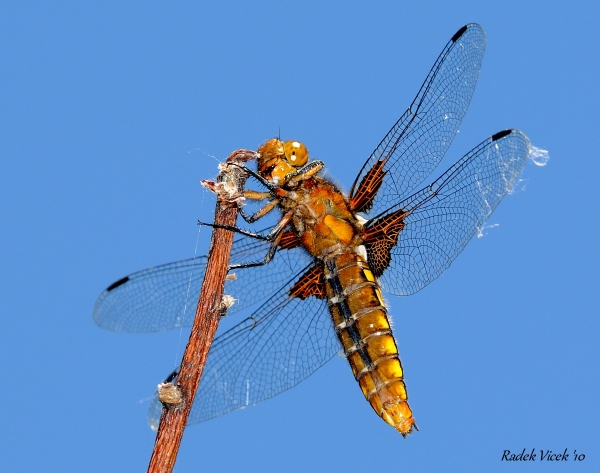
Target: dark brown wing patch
362,200
379,239
310,284
289,240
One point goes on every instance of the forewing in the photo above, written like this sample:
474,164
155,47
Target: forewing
280,344
165,297
418,141
442,218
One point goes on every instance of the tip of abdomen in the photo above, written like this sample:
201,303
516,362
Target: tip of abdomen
406,427
399,416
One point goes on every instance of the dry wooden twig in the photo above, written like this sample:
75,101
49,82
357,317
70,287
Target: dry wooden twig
228,187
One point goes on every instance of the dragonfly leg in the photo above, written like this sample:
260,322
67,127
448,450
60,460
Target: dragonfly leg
304,172
237,230
261,212
274,236
256,195
268,184
268,257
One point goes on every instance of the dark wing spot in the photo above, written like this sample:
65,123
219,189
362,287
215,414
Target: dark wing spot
379,237
289,240
118,283
459,33
362,201
501,134
310,283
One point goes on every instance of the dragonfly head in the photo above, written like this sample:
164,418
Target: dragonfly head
279,158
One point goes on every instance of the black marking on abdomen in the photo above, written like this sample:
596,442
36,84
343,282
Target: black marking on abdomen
342,305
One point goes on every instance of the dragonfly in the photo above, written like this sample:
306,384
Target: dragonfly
313,282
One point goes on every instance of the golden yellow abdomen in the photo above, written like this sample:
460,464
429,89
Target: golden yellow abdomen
363,328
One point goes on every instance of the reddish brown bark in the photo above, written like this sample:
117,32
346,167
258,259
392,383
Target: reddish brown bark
208,314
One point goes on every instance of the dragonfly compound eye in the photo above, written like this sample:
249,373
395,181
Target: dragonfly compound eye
296,153
269,154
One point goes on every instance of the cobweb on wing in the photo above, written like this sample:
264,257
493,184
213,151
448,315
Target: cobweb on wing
280,344
445,215
483,231
538,156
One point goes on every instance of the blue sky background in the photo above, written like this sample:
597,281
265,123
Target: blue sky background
110,113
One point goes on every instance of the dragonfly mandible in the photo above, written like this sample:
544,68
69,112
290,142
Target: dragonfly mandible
318,274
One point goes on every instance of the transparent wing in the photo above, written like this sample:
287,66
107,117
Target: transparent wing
442,217
280,344
165,297
418,141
